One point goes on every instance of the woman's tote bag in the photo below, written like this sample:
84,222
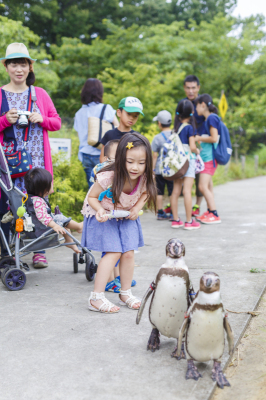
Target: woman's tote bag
97,128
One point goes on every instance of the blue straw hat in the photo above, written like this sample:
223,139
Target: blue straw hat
16,50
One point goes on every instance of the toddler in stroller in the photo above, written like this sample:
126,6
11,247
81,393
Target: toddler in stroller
39,185
31,239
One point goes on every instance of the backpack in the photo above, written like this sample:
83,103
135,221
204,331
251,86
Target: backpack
223,151
174,162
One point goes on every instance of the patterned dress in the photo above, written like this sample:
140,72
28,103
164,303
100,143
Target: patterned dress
35,143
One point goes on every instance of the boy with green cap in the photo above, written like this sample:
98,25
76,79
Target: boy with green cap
128,113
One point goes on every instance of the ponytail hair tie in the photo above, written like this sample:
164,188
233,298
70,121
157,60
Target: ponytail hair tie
177,113
209,103
191,115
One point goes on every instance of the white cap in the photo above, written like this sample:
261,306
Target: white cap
164,117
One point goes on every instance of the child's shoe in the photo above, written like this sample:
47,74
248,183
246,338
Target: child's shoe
195,211
112,287
39,261
161,215
118,284
177,224
203,215
210,219
192,225
167,209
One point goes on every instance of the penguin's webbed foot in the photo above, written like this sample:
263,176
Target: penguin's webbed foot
218,376
182,353
154,340
192,371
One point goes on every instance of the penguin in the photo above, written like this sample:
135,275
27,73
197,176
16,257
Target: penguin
204,327
171,297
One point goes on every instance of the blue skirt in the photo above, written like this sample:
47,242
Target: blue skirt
112,236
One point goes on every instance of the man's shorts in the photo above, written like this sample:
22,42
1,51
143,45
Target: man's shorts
161,182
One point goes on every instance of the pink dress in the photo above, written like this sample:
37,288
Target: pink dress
126,201
113,236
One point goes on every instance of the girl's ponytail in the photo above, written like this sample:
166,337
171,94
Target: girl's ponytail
206,98
184,110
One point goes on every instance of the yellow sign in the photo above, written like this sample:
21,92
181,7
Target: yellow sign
223,105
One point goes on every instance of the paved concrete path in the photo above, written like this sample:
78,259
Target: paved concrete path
53,348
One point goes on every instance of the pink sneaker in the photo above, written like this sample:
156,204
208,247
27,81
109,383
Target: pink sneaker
39,261
202,216
195,211
210,219
177,224
192,225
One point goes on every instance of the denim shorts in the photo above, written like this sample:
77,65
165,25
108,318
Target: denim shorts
191,170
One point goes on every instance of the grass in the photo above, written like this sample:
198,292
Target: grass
70,182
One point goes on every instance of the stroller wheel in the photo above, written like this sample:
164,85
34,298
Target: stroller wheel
4,271
90,269
14,279
75,263
7,261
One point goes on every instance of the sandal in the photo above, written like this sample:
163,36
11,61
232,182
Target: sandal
105,307
130,301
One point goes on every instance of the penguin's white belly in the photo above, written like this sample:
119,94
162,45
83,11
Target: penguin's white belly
169,305
205,335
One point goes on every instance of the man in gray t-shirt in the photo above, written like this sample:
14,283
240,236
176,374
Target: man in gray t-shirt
164,120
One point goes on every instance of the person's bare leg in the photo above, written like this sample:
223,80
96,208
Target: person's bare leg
76,226
199,200
159,202
111,277
187,189
174,198
211,186
207,193
69,240
116,271
104,270
126,273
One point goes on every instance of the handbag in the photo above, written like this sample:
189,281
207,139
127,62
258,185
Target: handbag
97,128
199,164
20,162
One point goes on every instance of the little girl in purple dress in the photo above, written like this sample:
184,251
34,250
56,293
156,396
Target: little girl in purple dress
127,184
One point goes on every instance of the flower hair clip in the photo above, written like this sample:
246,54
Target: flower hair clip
129,145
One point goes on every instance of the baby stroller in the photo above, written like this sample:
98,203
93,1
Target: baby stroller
22,244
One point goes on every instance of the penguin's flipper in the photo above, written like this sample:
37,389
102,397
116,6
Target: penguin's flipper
230,335
144,301
181,334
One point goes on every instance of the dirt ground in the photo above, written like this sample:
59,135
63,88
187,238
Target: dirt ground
247,371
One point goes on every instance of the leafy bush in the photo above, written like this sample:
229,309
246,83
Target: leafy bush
70,184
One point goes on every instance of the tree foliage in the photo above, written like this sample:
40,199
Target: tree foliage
54,19
10,31
151,63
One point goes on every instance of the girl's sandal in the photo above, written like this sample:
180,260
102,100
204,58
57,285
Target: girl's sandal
130,301
105,307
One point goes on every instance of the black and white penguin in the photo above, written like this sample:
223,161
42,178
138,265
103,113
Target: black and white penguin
170,299
204,327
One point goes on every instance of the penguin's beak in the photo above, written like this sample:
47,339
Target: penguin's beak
208,283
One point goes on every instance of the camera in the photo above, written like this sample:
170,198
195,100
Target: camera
23,117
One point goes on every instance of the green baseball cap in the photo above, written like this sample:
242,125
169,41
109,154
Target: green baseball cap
131,104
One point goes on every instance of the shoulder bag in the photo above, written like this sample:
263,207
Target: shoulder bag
97,128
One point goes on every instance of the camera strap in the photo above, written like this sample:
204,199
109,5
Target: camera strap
29,108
